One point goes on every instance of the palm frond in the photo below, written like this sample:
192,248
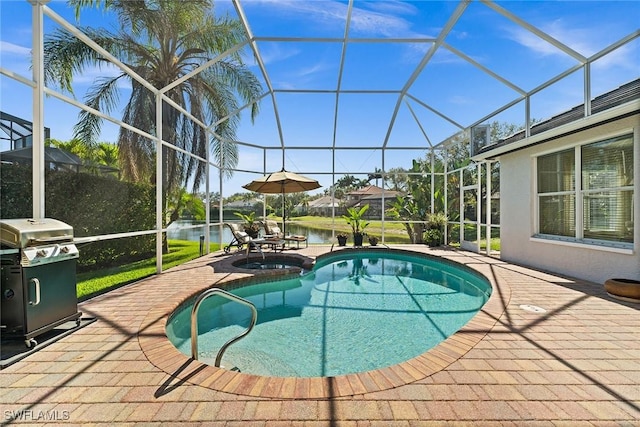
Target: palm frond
164,40
66,55
227,152
104,97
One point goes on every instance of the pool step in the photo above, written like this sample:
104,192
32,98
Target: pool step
255,361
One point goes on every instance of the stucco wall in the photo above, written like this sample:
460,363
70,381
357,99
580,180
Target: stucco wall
518,214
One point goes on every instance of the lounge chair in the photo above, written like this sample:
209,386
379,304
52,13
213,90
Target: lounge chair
296,238
241,238
272,230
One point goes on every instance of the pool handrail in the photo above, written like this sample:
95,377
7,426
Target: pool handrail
194,321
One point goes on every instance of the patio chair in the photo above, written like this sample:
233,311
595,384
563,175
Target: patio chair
241,238
272,230
298,238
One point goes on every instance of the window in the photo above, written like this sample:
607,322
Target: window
556,193
597,207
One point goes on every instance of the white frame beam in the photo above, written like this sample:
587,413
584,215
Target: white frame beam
39,91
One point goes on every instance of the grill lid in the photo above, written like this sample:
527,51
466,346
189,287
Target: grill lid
24,232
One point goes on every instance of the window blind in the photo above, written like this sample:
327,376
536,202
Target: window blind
607,187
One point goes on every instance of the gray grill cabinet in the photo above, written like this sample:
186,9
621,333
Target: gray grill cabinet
38,277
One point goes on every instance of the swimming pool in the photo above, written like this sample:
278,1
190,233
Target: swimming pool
356,311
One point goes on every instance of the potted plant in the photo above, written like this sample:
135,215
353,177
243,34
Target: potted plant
373,240
433,237
355,218
342,239
624,289
251,227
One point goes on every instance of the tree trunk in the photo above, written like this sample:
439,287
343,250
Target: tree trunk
407,227
417,236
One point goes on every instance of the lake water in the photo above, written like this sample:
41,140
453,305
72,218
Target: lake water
185,230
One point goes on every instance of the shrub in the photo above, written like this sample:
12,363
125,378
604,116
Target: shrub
92,205
433,237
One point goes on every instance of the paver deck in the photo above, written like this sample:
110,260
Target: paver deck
577,363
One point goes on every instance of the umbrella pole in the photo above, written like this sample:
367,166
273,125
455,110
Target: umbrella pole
284,207
284,215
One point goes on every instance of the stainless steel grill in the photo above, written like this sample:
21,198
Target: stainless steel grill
38,274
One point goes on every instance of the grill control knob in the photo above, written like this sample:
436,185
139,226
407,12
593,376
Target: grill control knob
64,249
41,253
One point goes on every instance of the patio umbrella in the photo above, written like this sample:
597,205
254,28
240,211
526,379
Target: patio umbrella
282,182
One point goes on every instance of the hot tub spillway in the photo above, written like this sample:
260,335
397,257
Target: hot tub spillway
271,263
265,265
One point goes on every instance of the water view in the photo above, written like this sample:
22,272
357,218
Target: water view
192,230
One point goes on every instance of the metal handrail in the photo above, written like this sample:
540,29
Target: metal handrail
194,321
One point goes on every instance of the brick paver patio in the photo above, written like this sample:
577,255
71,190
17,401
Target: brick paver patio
576,364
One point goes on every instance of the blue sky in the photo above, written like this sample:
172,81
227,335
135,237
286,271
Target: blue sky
449,84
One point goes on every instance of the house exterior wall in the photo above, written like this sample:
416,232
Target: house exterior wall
518,214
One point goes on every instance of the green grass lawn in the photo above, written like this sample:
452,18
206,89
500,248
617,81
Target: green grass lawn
97,282
394,232
180,251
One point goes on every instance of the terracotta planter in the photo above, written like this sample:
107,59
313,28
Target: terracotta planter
624,289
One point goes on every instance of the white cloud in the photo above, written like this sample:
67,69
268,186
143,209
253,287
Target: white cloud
369,19
382,18
90,74
318,12
373,23
252,160
460,100
312,69
578,39
391,7
625,57
276,52
583,41
14,49
16,58
301,74
445,56
532,42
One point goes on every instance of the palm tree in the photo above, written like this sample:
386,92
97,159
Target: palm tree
377,174
107,154
162,41
408,209
74,146
396,179
185,203
304,203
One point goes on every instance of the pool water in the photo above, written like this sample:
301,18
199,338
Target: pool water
348,315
